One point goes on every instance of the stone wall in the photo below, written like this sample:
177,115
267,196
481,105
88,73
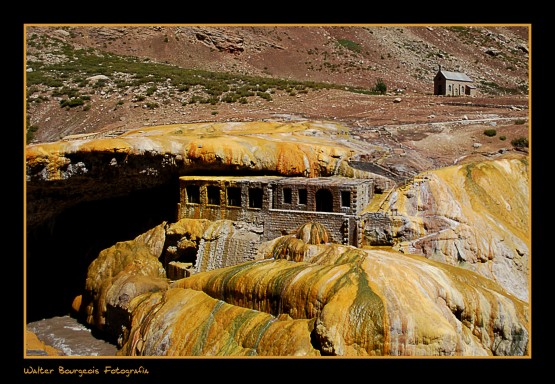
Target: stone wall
341,227
226,243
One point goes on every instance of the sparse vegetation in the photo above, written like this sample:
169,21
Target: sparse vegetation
60,73
31,130
492,88
520,142
490,132
350,45
71,103
380,87
125,72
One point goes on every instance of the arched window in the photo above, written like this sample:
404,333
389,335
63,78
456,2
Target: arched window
324,200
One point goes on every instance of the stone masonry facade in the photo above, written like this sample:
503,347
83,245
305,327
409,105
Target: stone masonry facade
280,204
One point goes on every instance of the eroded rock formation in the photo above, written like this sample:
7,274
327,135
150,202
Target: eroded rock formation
117,275
200,287
336,300
150,261
64,173
300,297
475,216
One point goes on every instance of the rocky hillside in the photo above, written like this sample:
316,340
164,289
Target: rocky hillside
90,79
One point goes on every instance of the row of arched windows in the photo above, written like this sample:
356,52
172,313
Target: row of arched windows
323,197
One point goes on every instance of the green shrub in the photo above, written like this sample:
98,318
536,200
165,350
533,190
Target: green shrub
99,83
350,45
264,95
380,87
150,90
195,99
502,138
490,132
520,142
71,103
31,133
520,121
152,105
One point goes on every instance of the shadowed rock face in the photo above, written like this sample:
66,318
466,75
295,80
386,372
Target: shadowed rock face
119,274
475,216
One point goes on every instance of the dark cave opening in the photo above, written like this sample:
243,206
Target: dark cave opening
60,251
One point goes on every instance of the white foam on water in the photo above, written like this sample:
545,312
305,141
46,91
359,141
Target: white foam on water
72,338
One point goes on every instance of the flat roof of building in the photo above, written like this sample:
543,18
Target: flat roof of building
282,180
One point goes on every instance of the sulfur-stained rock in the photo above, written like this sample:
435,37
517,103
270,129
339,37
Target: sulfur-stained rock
376,302
126,285
185,322
313,233
118,274
475,216
64,173
302,299
76,305
192,229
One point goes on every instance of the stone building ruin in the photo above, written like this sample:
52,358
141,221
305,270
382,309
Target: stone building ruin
247,210
279,205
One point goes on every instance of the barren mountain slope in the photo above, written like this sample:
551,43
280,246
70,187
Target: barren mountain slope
159,74
405,57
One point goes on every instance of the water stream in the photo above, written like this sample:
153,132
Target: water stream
73,338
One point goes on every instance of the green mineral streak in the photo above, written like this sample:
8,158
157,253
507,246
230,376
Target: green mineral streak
260,330
276,296
333,256
276,291
475,189
224,286
198,347
351,256
231,346
366,316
